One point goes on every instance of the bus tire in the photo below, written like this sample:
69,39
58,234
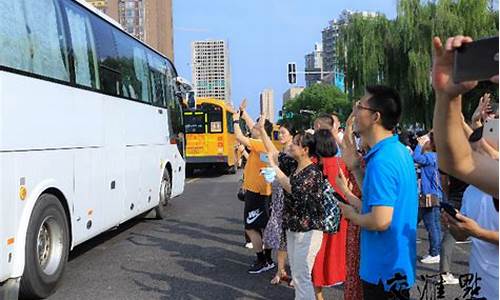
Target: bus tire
165,194
47,248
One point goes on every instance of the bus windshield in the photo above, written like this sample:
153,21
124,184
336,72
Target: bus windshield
207,119
194,123
214,113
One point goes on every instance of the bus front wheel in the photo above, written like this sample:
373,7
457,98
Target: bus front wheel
47,248
165,194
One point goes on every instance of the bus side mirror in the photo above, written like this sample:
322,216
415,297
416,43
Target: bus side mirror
191,100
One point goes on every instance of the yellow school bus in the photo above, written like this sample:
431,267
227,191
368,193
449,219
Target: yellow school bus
210,138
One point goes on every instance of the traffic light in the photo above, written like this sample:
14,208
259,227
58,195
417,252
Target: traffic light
292,73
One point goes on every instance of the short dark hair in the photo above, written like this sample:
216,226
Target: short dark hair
325,143
404,138
307,140
386,101
289,127
325,118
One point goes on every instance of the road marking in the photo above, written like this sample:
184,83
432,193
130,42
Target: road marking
192,180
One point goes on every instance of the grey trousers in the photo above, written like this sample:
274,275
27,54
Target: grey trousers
302,250
446,251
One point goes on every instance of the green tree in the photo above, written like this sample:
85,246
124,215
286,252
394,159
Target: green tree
375,50
318,98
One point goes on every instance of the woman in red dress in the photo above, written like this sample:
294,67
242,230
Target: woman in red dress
353,290
330,264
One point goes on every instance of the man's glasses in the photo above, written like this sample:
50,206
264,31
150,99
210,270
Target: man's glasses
360,107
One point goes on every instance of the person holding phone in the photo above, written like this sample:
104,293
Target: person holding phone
453,190
431,194
258,191
274,234
303,213
455,155
484,111
388,215
478,219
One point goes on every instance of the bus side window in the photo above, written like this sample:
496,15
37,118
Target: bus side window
32,43
83,46
109,69
173,105
157,72
142,73
133,66
230,124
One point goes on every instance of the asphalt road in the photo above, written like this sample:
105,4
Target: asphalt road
196,253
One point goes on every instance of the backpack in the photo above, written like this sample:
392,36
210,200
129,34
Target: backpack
331,209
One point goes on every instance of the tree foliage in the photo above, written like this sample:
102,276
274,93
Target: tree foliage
397,53
318,98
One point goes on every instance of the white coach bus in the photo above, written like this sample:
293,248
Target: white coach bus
89,129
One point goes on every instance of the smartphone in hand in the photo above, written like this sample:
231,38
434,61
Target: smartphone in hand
476,61
490,131
264,158
449,209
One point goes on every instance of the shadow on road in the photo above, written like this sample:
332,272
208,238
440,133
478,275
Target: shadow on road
104,237
213,270
207,173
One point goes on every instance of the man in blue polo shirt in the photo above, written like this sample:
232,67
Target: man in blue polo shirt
388,216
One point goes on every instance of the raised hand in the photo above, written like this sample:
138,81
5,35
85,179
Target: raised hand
230,109
260,125
482,108
236,115
486,107
442,68
243,105
423,140
342,183
350,154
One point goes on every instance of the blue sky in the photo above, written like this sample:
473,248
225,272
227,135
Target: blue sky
263,35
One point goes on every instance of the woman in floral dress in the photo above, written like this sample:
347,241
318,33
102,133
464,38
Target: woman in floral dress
274,234
303,213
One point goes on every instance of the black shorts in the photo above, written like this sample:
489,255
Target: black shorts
256,210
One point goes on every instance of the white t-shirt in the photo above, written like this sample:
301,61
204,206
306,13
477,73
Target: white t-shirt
483,260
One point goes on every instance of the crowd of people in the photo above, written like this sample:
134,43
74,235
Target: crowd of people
384,184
